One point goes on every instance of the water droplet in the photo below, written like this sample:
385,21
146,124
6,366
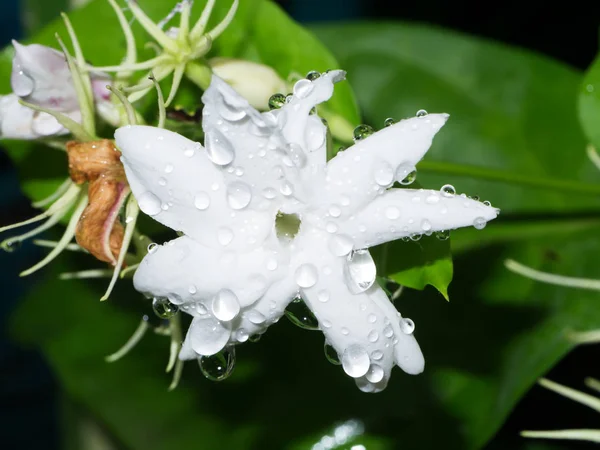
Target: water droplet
432,199
225,305
392,212
303,88
373,336
189,152
149,203
389,122
11,245
407,326
360,271
388,332
442,235
372,318
163,308
192,289
271,264
331,355
415,236
377,355
269,193
224,235
202,201
255,317
487,203
296,154
448,190
345,331
276,101
218,148
340,245
242,335
169,168
375,373
22,84
306,275
362,132
384,174
355,361
425,225
421,113
162,181
231,112
152,247
286,188
219,366
406,174
590,88
299,314
255,338
479,223
331,227
312,75
323,296
335,211
238,195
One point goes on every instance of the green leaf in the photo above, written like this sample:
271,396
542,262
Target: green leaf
589,103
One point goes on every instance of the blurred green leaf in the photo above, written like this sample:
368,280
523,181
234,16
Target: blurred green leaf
589,103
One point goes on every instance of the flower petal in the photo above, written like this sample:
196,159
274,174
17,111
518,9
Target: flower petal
408,212
20,122
366,169
364,328
41,75
174,182
191,275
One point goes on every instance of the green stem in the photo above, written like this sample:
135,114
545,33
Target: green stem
509,177
200,74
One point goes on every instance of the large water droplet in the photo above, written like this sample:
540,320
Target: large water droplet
224,235
239,195
231,112
303,88
306,275
421,113
312,75
276,101
360,271
202,201
218,148
163,308
22,84
340,244
331,355
406,174
299,314
448,190
407,326
479,223
375,373
384,174
219,366
225,305
362,131
355,361
149,203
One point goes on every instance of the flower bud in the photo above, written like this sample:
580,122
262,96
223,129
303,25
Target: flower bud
255,82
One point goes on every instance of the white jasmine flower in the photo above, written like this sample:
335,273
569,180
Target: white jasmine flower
267,219
41,77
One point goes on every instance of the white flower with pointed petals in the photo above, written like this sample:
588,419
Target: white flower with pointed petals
41,77
266,219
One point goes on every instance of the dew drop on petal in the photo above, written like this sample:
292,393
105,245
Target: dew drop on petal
362,131
306,275
335,211
242,335
225,305
303,88
360,271
377,355
389,122
149,203
392,212
152,247
202,201
340,244
425,225
286,188
219,366
271,264
224,235
373,336
388,331
238,195
331,354
331,227
312,75
448,190
384,174
406,174
269,193
276,101
479,223
163,308
255,317
296,155
22,84
218,148
442,235
300,315
230,112
421,113
375,373
355,361
169,168
407,326
323,296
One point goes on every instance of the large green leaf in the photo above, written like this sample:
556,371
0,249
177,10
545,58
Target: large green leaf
589,103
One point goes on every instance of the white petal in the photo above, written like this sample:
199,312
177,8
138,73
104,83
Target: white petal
190,274
104,105
364,170
406,212
175,183
206,336
363,328
41,75
19,122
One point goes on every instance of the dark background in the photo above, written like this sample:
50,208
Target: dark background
567,31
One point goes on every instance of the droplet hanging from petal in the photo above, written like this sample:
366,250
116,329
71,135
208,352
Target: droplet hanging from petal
219,366
360,271
355,361
299,314
331,355
163,308
218,148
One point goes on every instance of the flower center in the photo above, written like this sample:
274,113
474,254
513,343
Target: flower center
287,226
